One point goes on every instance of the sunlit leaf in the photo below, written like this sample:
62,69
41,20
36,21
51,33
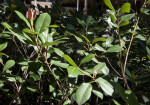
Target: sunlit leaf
23,18
83,93
125,8
105,85
109,5
97,93
42,22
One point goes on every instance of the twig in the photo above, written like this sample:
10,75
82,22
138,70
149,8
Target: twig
18,90
121,65
132,37
17,46
86,74
113,68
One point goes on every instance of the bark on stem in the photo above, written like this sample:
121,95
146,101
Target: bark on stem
132,37
121,65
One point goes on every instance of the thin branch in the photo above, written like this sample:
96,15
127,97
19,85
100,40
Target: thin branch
17,46
121,65
132,37
113,68
86,74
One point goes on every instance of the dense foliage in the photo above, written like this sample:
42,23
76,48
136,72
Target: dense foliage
58,57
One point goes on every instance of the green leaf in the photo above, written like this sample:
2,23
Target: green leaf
128,96
109,5
140,37
31,88
23,18
83,93
67,102
8,65
53,26
11,79
26,30
105,85
51,88
87,59
116,103
3,46
86,39
101,67
73,71
58,52
98,39
111,24
112,15
148,50
99,48
97,93
46,37
145,11
132,99
42,22
68,59
79,39
81,22
115,48
60,64
126,17
125,8
124,23
13,31
52,43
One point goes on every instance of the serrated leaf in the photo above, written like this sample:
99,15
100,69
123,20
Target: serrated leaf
83,93
3,46
42,22
69,60
105,85
115,48
8,65
87,59
109,5
23,18
125,8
